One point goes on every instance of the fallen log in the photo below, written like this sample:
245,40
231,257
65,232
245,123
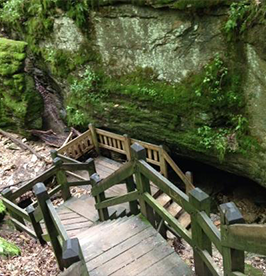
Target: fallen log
21,144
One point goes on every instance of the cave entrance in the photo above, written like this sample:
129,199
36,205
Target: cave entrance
223,187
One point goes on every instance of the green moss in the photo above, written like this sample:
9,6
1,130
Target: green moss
8,249
252,271
205,112
2,210
20,103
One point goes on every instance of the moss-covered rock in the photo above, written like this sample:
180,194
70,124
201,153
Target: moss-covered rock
20,105
8,249
2,210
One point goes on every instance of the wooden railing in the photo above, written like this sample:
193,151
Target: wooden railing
231,241
29,219
67,251
97,138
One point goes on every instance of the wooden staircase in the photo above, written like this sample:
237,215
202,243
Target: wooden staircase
129,246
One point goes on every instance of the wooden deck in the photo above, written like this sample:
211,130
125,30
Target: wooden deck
123,246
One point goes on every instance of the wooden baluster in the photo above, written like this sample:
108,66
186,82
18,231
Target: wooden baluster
101,139
105,140
115,143
94,138
143,184
131,186
91,166
155,155
110,142
36,225
149,153
7,193
189,176
201,202
233,260
62,179
42,196
163,164
127,144
103,213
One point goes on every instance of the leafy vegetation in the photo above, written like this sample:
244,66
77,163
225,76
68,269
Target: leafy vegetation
8,249
208,107
2,210
243,14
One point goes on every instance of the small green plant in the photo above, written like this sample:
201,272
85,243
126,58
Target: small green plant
82,92
8,249
2,210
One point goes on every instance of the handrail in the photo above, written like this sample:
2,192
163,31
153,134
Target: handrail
165,185
57,222
99,138
40,178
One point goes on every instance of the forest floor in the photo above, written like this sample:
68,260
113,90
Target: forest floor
18,166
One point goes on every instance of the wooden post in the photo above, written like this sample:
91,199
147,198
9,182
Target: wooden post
62,179
103,213
42,196
131,186
233,260
72,254
189,176
7,193
91,166
94,138
143,184
163,164
201,202
127,142
36,225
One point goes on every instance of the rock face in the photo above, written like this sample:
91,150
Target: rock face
164,73
20,105
172,43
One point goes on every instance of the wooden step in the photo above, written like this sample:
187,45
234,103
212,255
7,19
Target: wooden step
130,247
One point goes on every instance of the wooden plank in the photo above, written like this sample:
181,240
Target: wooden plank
85,135
24,228
126,258
174,209
15,209
210,229
178,171
118,176
109,163
163,199
111,148
40,178
207,258
120,248
80,225
119,233
75,167
164,267
184,219
109,134
153,162
57,222
246,237
131,196
146,145
73,220
172,221
94,138
165,185
148,259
